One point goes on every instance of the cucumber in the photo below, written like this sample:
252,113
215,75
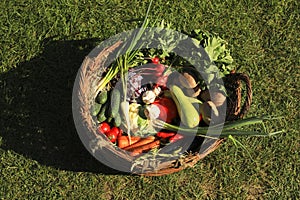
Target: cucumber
102,97
101,114
115,102
101,118
187,112
96,109
117,120
109,119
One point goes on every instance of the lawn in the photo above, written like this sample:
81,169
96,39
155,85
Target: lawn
43,44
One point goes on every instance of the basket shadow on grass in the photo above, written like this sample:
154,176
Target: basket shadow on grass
36,114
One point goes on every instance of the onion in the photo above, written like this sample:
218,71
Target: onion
193,92
187,80
204,95
218,98
207,110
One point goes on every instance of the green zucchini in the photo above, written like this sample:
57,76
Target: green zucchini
194,100
187,112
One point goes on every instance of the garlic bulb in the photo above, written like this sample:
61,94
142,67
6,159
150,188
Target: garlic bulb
149,97
157,91
152,112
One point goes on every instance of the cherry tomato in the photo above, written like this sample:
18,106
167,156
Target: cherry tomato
115,130
112,135
104,127
155,60
120,132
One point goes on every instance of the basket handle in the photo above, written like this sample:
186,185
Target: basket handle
234,82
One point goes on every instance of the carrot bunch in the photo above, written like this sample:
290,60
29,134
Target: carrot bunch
139,145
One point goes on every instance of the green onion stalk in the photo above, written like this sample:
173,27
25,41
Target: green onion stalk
124,62
227,129
128,57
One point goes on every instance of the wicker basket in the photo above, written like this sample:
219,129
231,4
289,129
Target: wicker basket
238,104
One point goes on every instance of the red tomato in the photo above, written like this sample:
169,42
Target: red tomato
168,109
103,127
155,60
112,135
162,112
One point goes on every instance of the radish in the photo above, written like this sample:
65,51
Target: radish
151,69
160,68
162,81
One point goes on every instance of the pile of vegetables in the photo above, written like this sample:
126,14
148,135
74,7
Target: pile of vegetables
149,95
150,98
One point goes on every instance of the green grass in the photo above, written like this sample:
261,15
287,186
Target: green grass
42,46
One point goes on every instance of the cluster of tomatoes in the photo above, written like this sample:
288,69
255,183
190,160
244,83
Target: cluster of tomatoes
112,133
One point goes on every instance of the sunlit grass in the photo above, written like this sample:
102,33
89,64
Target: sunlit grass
42,46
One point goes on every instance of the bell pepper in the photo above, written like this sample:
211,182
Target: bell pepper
165,134
176,137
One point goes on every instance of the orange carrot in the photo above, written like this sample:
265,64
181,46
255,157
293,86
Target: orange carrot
144,148
141,142
123,141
